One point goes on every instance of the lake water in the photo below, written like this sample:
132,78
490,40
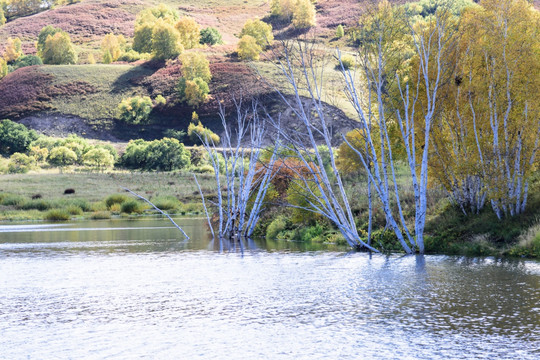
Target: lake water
135,289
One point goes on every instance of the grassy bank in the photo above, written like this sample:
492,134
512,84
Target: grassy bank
41,196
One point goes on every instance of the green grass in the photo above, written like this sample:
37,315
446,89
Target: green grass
111,82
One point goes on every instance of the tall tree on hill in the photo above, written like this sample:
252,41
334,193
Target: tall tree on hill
189,31
58,50
165,41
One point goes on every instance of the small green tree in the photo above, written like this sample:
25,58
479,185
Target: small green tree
99,158
62,156
152,15
248,49
166,155
45,32
304,14
196,92
2,17
58,50
26,60
260,31
3,68
195,65
189,31
135,110
210,36
142,39
340,32
198,132
165,41
15,137
20,163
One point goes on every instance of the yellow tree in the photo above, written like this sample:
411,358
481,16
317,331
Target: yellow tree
248,49
111,44
499,70
58,49
13,50
195,65
304,14
189,31
260,31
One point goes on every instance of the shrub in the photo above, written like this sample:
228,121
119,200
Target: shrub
57,215
26,60
175,134
260,31
15,137
12,200
196,92
248,49
167,203
135,110
20,163
142,39
62,156
276,226
189,32
195,65
4,70
58,49
13,50
74,210
210,36
99,158
198,132
115,199
304,14
160,100
347,61
131,206
165,41
340,32
40,205
164,155
131,56
100,215
111,45
45,32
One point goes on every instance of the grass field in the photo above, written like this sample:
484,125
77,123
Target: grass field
176,192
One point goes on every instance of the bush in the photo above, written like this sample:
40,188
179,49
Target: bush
347,61
196,92
57,215
195,65
248,49
26,60
165,41
99,158
100,215
260,31
166,203
115,199
15,138
164,155
62,156
20,163
58,49
277,225
210,36
131,206
189,31
131,56
175,134
12,200
198,132
40,205
135,110
74,210
340,32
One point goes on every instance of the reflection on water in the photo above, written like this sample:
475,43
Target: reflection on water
140,290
